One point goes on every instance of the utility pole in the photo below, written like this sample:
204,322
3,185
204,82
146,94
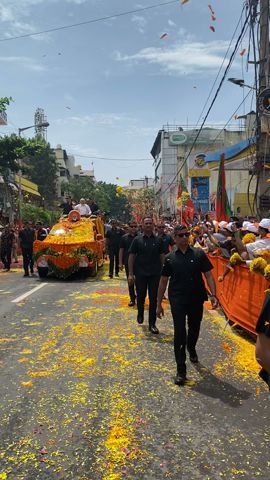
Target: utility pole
263,114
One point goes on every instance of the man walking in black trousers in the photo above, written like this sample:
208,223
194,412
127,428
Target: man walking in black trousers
113,238
7,241
146,256
125,244
27,238
187,294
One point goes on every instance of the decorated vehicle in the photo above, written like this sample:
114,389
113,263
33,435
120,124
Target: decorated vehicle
73,244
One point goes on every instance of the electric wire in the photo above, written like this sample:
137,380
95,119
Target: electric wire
242,33
221,66
90,21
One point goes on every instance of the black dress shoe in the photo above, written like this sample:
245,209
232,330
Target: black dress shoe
193,357
180,378
131,303
153,329
139,319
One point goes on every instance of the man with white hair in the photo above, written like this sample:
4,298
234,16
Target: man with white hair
83,208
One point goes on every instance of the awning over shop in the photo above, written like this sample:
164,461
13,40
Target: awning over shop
27,186
232,152
237,157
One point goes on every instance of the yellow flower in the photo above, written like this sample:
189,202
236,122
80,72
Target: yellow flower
235,259
258,265
249,238
267,272
263,253
27,384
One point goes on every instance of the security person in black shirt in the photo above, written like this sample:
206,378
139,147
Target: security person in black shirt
113,238
27,238
125,244
146,256
168,241
187,294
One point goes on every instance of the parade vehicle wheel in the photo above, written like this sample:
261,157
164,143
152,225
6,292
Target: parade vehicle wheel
43,272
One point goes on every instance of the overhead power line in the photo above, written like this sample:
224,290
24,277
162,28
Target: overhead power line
113,159
90,21
243,30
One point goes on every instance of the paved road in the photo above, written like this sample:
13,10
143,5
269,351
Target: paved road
87,394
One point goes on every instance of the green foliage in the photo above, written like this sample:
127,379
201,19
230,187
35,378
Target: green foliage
104,194
12,150
32,213
41,168
5,102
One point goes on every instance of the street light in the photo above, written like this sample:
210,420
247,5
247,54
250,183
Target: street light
240,83
39,125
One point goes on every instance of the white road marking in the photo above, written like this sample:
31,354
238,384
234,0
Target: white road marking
27,294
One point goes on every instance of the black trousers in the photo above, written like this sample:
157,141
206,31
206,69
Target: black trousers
27,253
131,288
150,283
6,257
114,261
193,313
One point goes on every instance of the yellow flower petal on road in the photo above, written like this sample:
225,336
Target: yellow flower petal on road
27,384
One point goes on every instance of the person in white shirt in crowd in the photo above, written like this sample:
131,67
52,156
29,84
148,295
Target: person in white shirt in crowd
248,252
83,208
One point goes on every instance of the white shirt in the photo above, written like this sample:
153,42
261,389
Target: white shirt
83,209
260,244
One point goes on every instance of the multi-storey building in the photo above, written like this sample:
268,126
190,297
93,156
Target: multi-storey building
176,153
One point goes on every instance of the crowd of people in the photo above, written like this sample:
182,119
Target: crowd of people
14,240
169,252
165,255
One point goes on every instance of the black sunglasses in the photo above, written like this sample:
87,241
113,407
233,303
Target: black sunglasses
181,235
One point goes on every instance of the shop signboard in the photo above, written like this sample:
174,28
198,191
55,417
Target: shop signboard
200,193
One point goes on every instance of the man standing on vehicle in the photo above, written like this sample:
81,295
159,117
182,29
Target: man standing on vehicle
27,238
83,208
146,256
187,294
125,244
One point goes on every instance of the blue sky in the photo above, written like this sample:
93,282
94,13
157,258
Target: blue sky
119,80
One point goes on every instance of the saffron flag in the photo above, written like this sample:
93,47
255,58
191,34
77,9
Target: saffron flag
223,210
187,208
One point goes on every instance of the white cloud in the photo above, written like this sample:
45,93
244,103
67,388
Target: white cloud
182,58
24,62
96,119
140,22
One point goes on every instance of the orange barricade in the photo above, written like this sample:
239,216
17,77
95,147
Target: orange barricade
241,294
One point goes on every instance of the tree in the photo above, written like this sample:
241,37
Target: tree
41,168
142,202
105,194
4,103
12,149
32,213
